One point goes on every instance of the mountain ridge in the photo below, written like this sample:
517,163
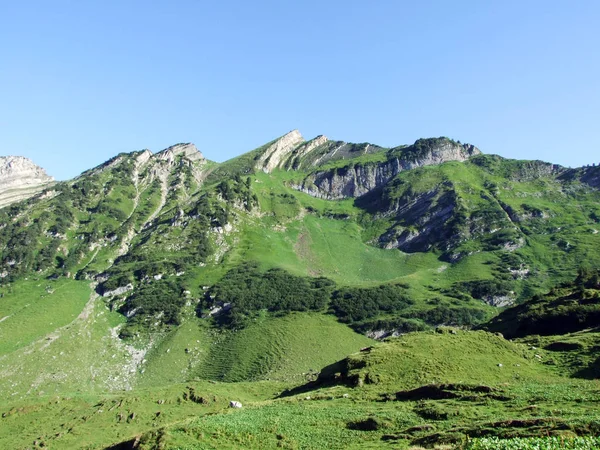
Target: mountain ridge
169,275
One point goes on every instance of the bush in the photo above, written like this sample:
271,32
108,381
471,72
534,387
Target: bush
249,290
157,301
356,304
445,315
398,325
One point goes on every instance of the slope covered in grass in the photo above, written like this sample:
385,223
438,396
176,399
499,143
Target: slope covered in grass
421,389
452,356
286,348
34,308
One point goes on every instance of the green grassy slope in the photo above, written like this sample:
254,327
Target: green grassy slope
34,308
283,348
397,405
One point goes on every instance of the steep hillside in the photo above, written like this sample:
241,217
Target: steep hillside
567,308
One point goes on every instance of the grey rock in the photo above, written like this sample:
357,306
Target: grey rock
278,152
20,178
357,180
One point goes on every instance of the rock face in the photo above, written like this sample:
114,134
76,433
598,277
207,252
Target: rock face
311,145
427,215
358,180
591,176
188,150
20,179
278,152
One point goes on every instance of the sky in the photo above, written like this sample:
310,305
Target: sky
81,81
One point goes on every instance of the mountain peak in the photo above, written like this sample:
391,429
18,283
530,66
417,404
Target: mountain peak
20,178
188,150
276,153
444,144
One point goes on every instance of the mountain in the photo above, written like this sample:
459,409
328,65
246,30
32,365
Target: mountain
158,286
20,179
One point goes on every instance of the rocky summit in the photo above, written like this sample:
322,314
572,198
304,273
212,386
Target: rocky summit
309,293
20,178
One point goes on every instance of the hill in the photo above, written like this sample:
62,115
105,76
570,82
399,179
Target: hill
153,270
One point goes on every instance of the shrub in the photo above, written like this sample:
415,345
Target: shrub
356,304
249,290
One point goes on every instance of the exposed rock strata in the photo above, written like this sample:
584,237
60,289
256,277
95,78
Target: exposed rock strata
277,152
357,180
188,150
591,176
20,179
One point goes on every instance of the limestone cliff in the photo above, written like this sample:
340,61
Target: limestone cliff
20,179
278,151
188,150
356,179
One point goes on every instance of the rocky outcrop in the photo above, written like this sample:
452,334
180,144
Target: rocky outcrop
279,151
20,179
143,157
118,291
588,175
516,170
296,156
532,170
422,223
500,301
592,178
353,181
311,145
188,150
356,180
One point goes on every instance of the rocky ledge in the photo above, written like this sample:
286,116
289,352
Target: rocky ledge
356,180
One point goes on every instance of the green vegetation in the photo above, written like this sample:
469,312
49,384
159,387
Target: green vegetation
222,282
571,307
539,443
246,291
357,304
163,298
32,309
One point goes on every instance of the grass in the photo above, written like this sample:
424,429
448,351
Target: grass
308,424
96,421
536,443
281,348
464,357
332,414
33,308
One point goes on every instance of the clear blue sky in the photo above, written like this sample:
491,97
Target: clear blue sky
81,81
